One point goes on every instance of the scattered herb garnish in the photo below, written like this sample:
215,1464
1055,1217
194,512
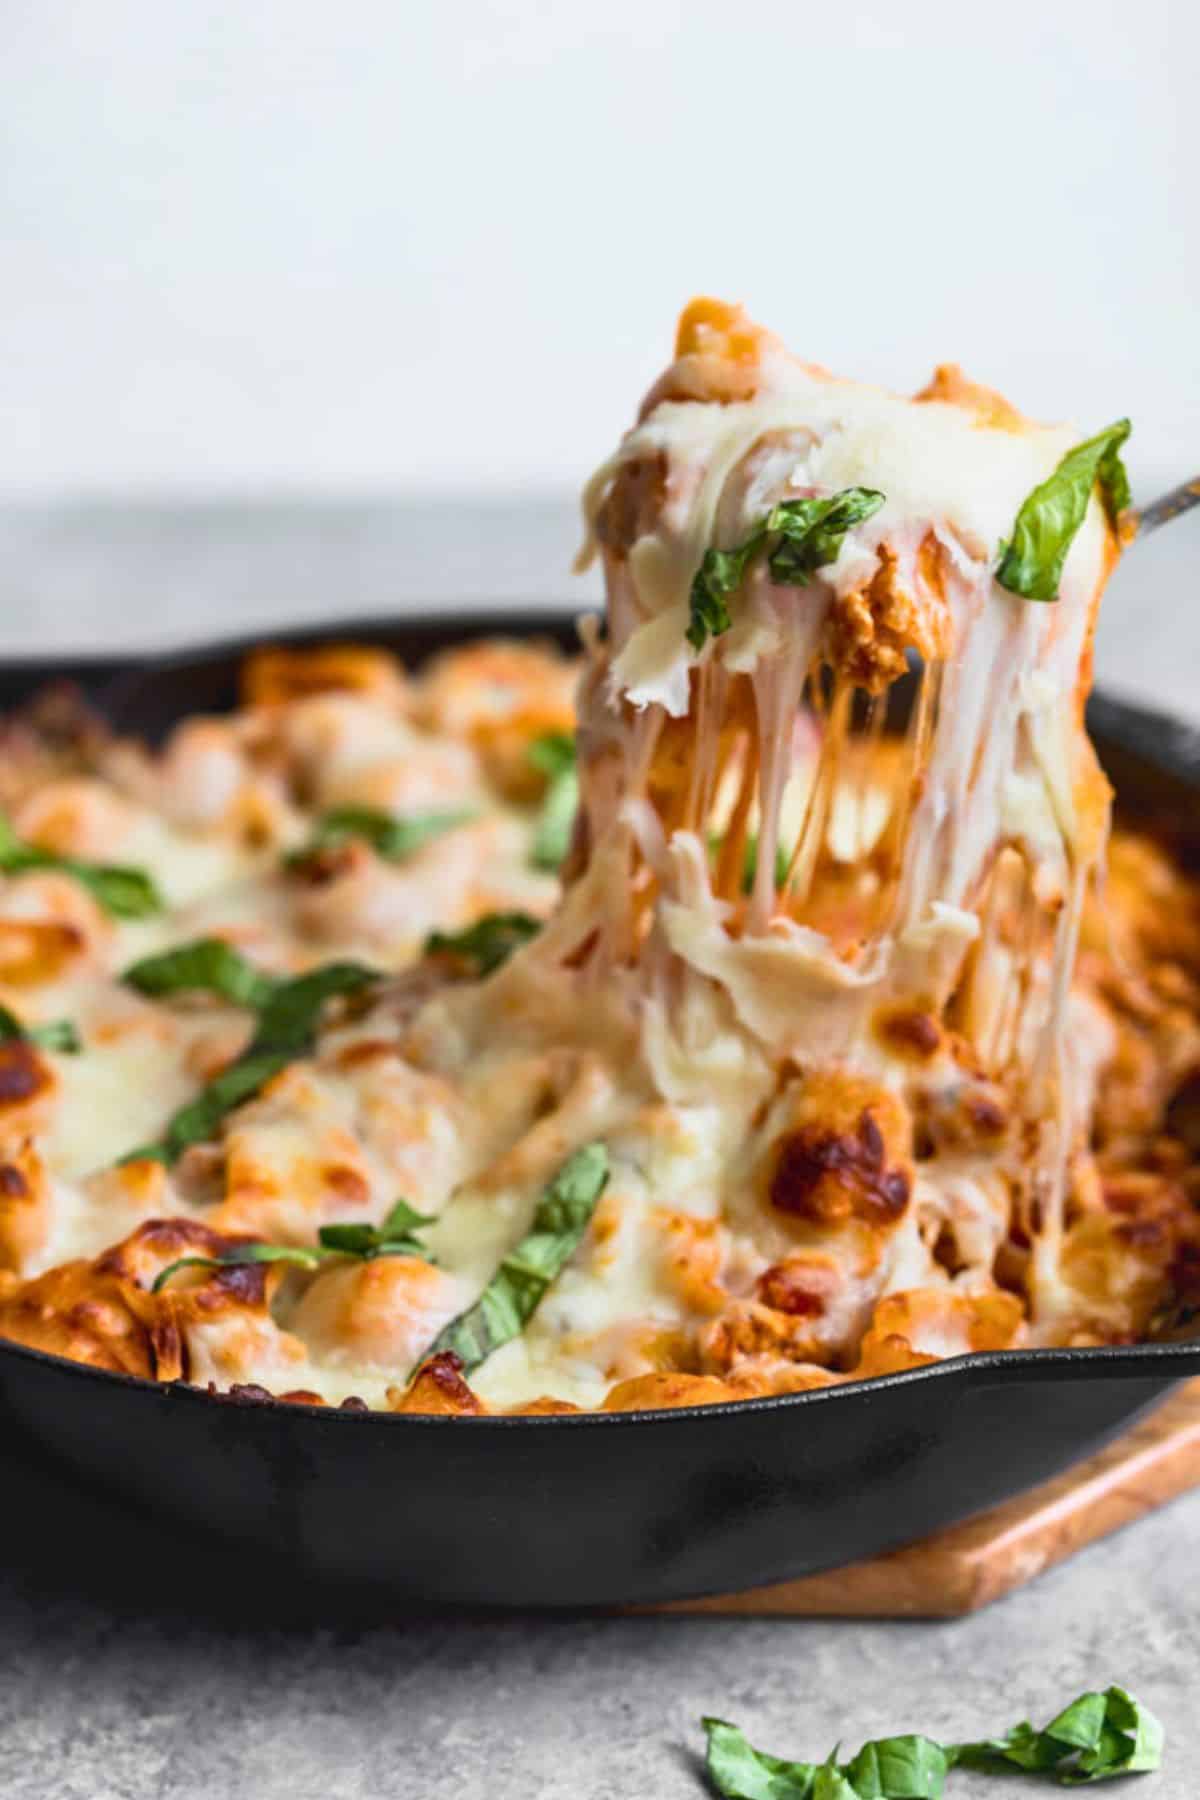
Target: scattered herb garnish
803,535
487,943
1031,561
515,1291
58,1034
288,1014
1097,1737
395,1237
553,755
238,1258
126,892
393,839
207,965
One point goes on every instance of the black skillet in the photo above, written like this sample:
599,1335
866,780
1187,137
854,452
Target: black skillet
597,1510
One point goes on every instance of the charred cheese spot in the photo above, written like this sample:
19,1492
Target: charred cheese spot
24,1075
25,1206
801,1285
909,1031
826,1176
437,1387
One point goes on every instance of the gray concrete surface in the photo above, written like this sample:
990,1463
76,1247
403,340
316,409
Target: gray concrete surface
115,1699
122,1678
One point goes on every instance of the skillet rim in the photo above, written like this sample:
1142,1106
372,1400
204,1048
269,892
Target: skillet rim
1176,749
1119,1362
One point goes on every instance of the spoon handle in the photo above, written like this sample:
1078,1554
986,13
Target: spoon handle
1168,506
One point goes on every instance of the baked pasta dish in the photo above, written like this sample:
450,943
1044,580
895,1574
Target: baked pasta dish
755,1003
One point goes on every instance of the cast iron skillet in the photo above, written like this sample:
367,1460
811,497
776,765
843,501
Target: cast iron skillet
594,1510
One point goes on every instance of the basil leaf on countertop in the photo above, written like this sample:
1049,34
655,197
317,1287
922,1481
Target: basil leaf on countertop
394,839
803,535
393,1238
57,1034
1097,1737
123,891
515,1291
288,1015
553,755
487,943
1031,561
899,1768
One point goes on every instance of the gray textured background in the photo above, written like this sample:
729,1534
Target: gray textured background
121,1678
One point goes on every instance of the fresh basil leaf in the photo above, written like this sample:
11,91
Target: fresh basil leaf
239,1258
554,756
898,1768
395,1237
200,1119
740,1772
515,1291
392,838
126,892
810,532
487,943
1096,1738
1031,561
553,753
359,1240
404,1219
57,1034
288,1017
288,1020
714,584
208,965
800,537
350,1240
832,1784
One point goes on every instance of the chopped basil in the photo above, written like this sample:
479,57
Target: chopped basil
288,1014
553,755
238,1258
515,1291
125,892
58,1034
1031,561
208,965
393,1238
393,839
487,943
288,1020
803,535
1097,1737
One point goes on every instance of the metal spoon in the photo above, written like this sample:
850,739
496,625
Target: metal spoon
1168,506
